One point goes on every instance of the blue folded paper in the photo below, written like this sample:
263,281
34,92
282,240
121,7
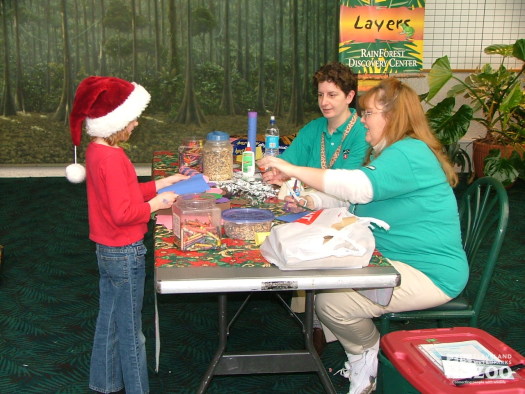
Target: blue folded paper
292,217
195,184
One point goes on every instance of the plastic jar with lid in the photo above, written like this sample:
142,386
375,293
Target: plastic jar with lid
217,157
190,153
245,223
196,222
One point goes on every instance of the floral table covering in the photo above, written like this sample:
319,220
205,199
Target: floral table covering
233,252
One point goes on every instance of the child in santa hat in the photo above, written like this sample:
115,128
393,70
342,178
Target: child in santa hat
119,208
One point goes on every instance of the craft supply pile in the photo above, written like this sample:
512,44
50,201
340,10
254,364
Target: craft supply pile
225,196
225,202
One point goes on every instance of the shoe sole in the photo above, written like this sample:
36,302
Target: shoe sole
369,389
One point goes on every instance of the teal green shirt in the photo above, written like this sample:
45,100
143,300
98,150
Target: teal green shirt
412,195
305,149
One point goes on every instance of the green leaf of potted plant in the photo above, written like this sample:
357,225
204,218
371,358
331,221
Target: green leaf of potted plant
496,96
450,126
503,169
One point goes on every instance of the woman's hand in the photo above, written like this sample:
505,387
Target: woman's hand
279,167
308,175
162,201
274,177
300,204
169,180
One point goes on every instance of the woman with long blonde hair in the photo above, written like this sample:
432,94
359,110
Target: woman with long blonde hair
405,119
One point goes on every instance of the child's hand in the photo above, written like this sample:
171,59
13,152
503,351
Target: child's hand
162,201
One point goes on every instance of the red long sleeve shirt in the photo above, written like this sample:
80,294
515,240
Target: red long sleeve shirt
117,203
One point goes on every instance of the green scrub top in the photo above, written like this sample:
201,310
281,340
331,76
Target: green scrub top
412,195
305,149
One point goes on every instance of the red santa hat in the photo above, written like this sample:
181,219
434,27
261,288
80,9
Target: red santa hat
106,105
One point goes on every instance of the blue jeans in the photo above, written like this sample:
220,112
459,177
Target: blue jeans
118,358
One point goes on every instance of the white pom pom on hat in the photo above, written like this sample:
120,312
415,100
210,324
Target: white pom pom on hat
75,173
107,105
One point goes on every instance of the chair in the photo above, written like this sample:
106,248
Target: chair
483,213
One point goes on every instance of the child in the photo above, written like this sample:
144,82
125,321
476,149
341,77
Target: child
119,208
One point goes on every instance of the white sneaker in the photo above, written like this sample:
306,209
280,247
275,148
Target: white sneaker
361,369
345,371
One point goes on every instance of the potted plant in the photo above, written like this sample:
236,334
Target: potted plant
450,126
505,169
497,99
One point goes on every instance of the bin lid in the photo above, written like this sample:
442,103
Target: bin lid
248,215
195,201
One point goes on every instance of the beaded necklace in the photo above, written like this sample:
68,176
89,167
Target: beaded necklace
338,151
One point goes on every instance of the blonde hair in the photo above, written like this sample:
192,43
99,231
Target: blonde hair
117,137
405,118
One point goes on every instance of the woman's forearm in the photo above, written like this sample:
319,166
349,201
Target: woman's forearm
313,177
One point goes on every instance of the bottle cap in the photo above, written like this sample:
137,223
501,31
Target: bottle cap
248,148
217,136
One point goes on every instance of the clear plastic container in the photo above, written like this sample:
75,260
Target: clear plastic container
196,222
243,223
217,157
190,153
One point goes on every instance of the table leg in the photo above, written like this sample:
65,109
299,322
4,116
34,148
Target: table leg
223,337
309,342
266,362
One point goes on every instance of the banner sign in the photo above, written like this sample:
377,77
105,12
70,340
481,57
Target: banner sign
382,38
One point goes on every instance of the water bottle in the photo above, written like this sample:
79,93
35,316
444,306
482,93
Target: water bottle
271,140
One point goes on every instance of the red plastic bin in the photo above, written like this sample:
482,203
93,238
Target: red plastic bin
401,349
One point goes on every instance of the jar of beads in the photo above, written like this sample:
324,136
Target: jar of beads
196,222
190,153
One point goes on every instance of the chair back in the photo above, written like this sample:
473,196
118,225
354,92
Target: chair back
483,213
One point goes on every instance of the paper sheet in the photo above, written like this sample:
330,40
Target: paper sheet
166,221
292,217
465,359
195,184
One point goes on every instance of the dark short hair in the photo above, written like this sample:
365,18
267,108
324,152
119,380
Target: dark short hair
339,74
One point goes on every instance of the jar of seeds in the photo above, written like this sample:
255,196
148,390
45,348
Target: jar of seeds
217,157
245,223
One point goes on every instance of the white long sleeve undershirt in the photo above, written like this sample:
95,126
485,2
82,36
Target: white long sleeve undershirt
342,187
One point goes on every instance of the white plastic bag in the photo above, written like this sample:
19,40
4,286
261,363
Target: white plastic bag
320,240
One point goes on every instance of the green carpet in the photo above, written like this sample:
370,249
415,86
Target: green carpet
49,293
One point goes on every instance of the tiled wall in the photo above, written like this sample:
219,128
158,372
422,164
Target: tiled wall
461,29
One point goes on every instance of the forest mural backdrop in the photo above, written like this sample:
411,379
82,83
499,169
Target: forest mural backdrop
198,58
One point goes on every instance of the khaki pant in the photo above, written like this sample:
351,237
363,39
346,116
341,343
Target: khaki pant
348,315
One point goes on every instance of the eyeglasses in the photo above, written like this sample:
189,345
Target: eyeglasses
366,114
